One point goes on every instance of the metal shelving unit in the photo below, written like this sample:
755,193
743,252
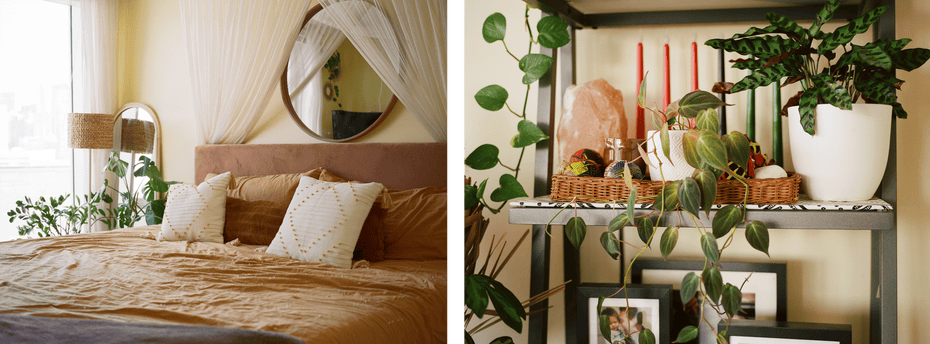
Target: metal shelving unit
882,224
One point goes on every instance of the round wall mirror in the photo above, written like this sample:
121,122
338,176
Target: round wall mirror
328,87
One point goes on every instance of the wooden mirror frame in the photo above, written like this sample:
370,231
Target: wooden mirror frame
285,95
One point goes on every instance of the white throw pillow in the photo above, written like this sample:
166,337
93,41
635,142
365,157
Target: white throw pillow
323,221
196,213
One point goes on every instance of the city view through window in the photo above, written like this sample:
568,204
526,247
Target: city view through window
35,99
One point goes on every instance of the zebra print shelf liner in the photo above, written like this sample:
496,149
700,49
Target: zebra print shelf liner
804,203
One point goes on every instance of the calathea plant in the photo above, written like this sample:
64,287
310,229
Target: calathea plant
710,154
785,50
480,289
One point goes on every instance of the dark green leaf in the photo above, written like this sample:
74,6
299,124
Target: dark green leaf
610,245
155,212
630,204
618,222
492,97
645,229
761,77
824,16
689,148
786,25
845,33
468,339
737,148
732,298
575,231
483,157
689,195
898,110
759,47
709,246
604,325
910,59
878,86
890,47
833,92
535,66
807,108
553,32
668,197
507,306
707,182
481,188
668,241
712,151
758,236
494,28
647,337
713,283
509,189
708,120
873,56
471,196
502,340
689,286
754,31
687,334
696,101
726,219
749,64
528,134
476,295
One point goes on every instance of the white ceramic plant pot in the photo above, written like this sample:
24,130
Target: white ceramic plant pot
846,158
677,168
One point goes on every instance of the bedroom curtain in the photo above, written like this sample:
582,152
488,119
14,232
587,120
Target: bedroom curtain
94,27
236,51
405,43
316,42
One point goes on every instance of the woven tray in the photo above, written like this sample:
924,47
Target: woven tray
608,190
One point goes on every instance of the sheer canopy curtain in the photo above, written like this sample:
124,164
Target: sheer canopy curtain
94,26
405,43
236,51
316,42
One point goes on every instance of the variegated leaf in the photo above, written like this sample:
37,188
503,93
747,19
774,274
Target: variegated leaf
845,33
890,47
760,78
910,59
807,108
825,14
758,47
878,87
786,26
872,56
748,63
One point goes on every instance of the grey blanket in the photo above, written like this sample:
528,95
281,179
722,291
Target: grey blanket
29,329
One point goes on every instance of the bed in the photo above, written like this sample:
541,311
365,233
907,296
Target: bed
125,276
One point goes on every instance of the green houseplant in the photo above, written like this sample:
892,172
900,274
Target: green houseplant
54,216
480,284
709,154
824,121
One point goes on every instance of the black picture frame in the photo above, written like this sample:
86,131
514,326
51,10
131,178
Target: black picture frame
588,291
797,332
681,318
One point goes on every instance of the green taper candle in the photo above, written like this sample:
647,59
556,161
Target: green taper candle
776,124
751,115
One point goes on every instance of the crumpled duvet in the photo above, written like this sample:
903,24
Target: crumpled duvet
125,275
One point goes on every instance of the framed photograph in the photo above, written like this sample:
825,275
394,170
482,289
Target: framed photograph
764,294
783,332
639,306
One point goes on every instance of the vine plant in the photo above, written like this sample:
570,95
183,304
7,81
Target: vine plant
552,33
709,154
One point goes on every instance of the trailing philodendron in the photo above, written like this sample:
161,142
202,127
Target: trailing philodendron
785,50
481,288
710,155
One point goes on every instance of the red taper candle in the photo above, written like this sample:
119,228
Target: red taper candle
640,113
666,94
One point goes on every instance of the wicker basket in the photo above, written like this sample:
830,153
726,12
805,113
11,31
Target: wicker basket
608,190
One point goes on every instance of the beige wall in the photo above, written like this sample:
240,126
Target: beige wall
828,271
153,70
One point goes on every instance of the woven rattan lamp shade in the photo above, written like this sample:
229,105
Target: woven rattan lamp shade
138,136
90,130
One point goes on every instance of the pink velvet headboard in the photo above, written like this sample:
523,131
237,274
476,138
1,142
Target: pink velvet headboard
396,165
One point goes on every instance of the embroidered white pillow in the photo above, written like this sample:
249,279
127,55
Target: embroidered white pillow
196,213
323,221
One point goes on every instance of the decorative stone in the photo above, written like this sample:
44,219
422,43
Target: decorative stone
591,113
771,171
565,168
593,163
615,170
585,168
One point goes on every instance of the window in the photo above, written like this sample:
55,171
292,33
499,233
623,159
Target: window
35,99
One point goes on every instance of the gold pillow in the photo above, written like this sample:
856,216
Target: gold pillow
278,188
415,224
253,223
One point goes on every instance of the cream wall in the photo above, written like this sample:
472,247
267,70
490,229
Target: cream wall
828,271
153,70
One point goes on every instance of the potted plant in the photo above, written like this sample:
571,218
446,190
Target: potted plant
838,146
481,286
673,124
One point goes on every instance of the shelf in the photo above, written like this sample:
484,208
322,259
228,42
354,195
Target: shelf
870,215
